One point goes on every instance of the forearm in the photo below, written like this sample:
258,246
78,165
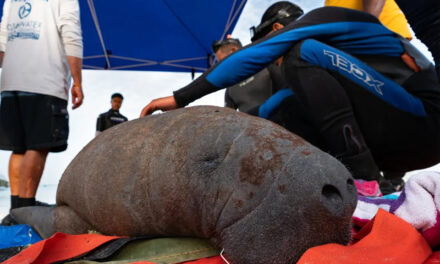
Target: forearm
75,65
195,90
374,7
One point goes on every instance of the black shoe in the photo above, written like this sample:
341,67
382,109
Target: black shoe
386,187
8,221
398,184
396,179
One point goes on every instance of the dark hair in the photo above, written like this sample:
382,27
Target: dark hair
283,12
221,43
117,95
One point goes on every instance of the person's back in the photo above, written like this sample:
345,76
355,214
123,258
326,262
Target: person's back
391,16
112,117
250,93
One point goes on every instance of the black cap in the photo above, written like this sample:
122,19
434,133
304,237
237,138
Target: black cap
283,12
117,95
216,45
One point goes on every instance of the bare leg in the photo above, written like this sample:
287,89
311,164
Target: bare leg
31,170
14,172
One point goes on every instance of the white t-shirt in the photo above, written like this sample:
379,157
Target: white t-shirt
36,36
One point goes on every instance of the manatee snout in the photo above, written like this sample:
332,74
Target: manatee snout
335,198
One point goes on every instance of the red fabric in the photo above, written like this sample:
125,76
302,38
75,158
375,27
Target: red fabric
368,188
385,239
434,259
59,247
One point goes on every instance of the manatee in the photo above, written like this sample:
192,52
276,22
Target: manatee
252,188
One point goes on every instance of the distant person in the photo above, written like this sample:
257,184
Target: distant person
389,13
41,47
112,117
249,93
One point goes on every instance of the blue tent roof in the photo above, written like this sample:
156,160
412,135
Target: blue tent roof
154,35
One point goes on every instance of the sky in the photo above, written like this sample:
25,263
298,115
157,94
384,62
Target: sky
139,88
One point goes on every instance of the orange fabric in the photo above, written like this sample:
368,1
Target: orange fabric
410,62
59,247
385,239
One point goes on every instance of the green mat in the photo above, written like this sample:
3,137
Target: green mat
161,251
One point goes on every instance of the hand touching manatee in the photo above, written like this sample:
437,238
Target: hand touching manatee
164,104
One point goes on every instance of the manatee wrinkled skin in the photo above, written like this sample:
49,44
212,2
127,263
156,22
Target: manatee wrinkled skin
251,187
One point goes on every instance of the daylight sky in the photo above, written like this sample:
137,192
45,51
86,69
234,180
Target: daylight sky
138,89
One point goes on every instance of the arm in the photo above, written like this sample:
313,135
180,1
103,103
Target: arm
69,26
352,31
374,7
77,93
164,104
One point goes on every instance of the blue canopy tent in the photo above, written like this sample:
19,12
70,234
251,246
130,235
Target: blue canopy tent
154,35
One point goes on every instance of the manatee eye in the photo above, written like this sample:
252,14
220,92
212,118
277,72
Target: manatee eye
331,198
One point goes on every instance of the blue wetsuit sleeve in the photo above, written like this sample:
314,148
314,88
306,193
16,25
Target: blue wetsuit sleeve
273,102
352,31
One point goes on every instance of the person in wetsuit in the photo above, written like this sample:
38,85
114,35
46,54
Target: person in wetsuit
371,99
112,117
249,93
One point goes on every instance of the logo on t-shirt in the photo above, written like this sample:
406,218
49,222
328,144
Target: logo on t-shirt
24,10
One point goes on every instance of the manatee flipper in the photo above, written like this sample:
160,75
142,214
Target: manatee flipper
48,220
40,218
68,221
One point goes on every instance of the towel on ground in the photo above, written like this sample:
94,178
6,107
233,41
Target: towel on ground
418,204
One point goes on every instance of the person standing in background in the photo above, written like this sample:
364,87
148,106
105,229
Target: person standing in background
41,49
112,117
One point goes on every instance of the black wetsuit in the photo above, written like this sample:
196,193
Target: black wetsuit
109,119
336,62
249,93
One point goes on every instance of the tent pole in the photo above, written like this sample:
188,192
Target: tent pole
98,29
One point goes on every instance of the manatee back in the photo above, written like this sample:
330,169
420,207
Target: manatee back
213,173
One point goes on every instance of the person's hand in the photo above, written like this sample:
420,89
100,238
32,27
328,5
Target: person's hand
164,104
77,96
